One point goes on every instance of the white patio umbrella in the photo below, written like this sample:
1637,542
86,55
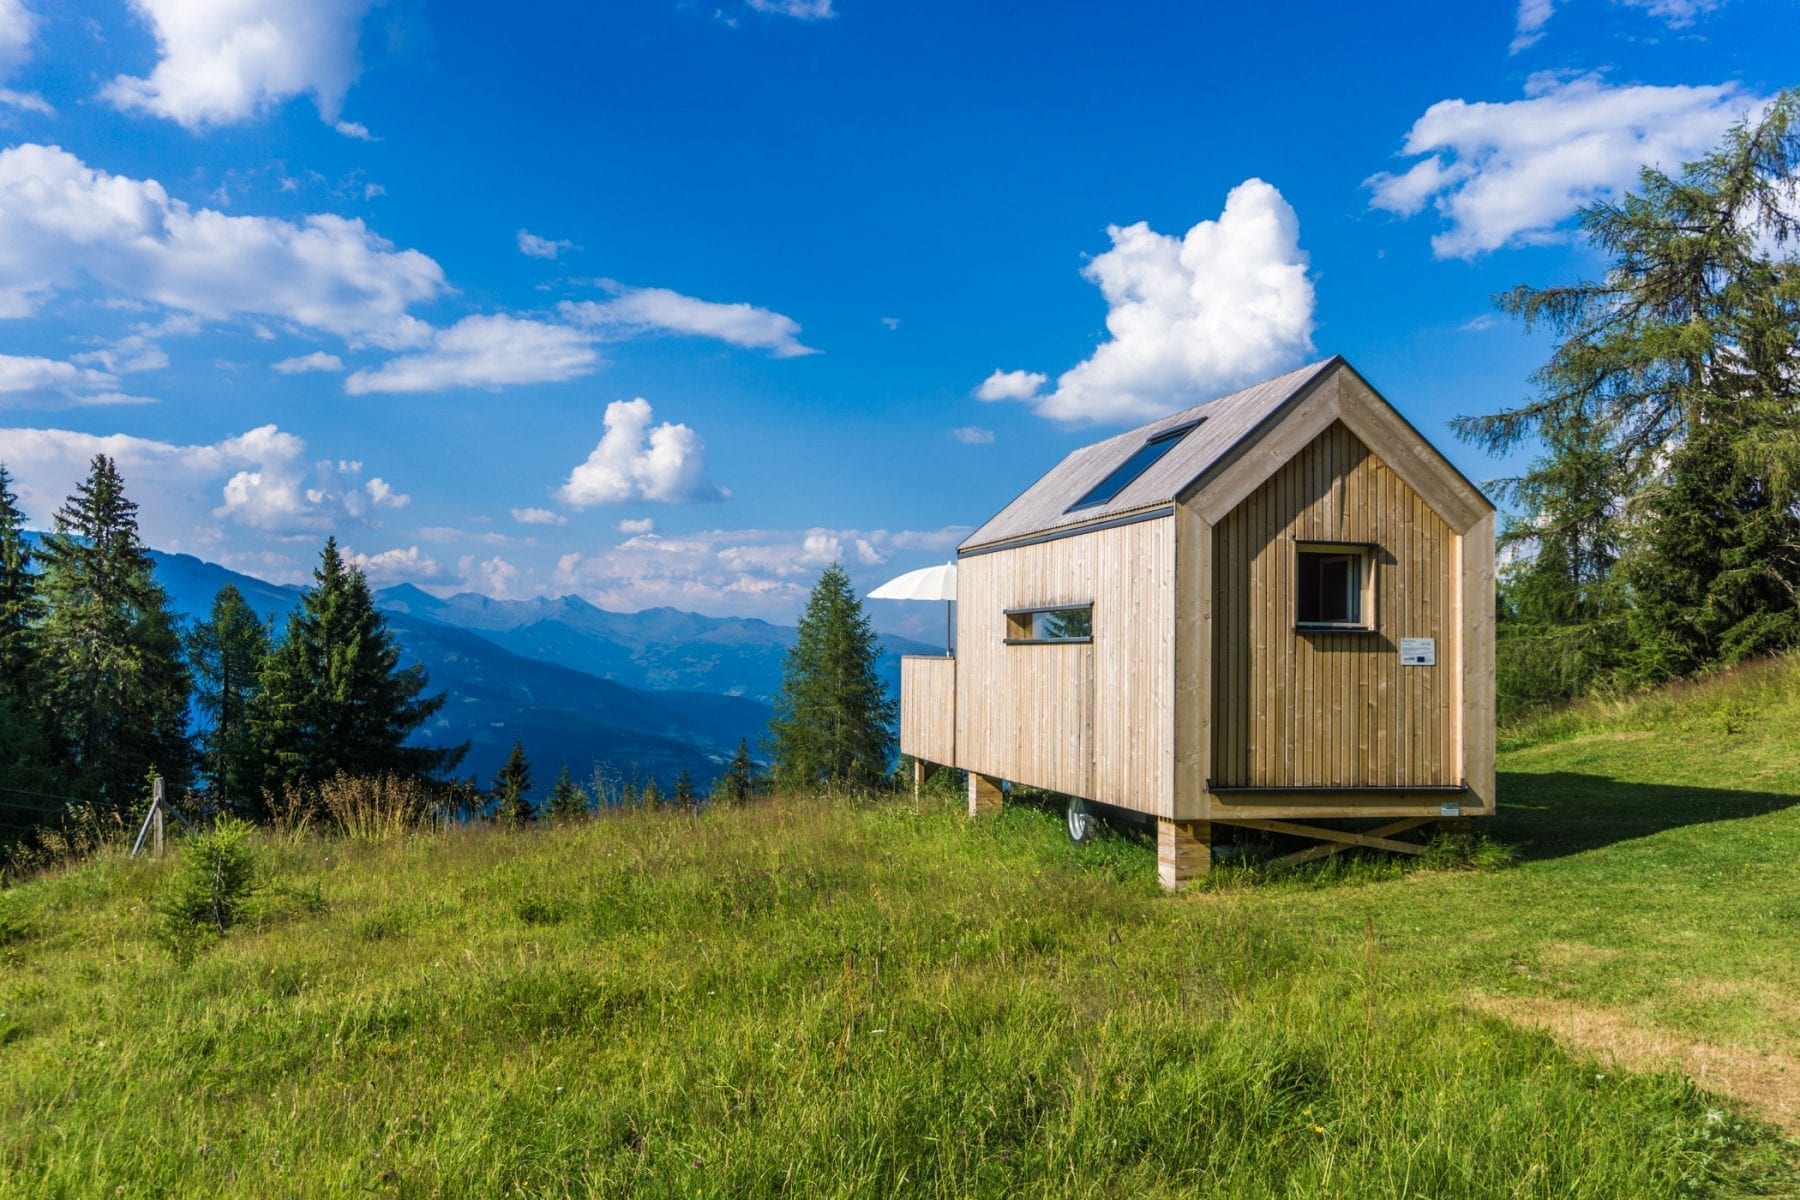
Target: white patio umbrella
927,583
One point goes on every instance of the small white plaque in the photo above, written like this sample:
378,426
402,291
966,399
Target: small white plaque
1418,652
1450,808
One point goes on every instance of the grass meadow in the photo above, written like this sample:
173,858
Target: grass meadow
821,997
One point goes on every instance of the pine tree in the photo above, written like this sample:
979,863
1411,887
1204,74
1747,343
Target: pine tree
1667,494
833,720
333,695
20,606
115,681
650,797
25,758
512,785
227,652
569,801
740,774
684,789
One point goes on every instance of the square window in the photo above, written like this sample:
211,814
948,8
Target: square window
1334,586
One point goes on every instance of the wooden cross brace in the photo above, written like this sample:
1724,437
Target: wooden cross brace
1334,840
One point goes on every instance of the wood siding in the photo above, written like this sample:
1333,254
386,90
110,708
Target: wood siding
1088,719
928,708
1334,709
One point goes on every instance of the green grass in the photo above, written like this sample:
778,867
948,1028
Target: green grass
817,997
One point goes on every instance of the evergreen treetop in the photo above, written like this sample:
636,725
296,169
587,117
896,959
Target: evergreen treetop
1661,520
227,653
26,760
740,774
833,720
20,606
333,694
512,785
569,801
116,685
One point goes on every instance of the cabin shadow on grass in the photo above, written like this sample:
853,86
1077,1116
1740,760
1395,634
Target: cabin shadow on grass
1558,813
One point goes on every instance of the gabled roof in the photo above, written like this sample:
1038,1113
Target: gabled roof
1225,422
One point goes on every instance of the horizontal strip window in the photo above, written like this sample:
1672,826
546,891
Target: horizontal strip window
1050,626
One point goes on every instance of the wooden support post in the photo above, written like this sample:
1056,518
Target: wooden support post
1183,851
922,772
156,817
984,795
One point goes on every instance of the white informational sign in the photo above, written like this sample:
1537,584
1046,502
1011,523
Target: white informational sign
1450,808
1418,652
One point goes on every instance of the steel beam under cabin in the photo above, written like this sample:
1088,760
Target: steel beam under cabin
984,795
1183,851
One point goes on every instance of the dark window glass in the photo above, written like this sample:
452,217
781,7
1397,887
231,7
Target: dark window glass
1328,588
1073,624
1140,461
1061,624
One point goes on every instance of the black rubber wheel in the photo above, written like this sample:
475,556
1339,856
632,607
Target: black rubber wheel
1080,823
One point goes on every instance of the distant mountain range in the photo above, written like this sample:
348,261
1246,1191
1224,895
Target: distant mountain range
656,691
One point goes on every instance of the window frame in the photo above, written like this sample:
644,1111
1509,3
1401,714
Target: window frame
1368,620
1013,623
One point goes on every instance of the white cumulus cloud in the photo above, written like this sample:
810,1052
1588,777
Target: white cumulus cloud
538,516
633,461
27,376
63,222
487,351
1011,385
409,565
738,571
641,525
318,360
1225,304
972,435
18,31
641,310
1511,173
225,61
263,479
533,246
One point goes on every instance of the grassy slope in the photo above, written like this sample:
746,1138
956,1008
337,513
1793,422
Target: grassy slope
815,998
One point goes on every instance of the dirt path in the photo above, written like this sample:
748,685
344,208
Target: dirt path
1765,1081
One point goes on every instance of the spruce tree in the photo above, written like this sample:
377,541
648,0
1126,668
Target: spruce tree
740,774
684,789
1665,501
833,720
568,799
115,682
333,696
226,653
651,796
25,758
512,785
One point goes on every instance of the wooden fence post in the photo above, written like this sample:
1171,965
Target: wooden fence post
156,818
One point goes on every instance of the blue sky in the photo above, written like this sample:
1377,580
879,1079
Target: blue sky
670,303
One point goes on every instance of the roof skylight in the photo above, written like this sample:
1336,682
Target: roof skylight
1141,460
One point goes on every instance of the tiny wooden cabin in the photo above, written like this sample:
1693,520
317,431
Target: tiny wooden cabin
1272,610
